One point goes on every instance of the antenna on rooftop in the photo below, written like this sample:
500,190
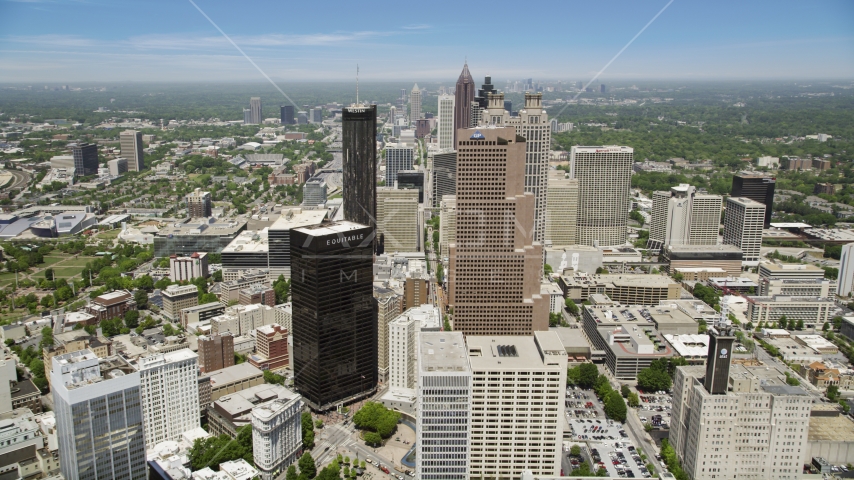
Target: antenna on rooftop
357,84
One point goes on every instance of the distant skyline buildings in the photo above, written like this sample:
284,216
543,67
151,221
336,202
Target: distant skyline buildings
414,104
287,115
463,96
132,150
445,129
255,116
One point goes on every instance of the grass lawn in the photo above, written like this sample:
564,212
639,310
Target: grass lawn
77,262
7,278
109,234
65,272
51,260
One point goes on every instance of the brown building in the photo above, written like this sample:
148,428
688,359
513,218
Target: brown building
463,96
422,127
199,204
257,294
795,163
304,171
271,348
280,177
111,305
828,188
25,394
416,292
204,394
494,268
216,352
820,164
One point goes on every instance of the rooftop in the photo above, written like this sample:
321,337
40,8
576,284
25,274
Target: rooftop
203,226
249,241
298,217
335,228
234,373
640,280
509,352
616,314
242,402
831,429
442,351
689,345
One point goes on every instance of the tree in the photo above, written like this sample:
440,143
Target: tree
282,287
47,338
376,417
625,391
307,430
833,393
575,451
652,380
132,318
571,306
141,298
291,474
634,400
373,439
588,375
307,466
799,325
615,406
825,327
547,269
217,276
144,282
48,274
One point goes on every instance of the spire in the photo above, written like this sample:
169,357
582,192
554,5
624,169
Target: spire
357,84
415,88
465,75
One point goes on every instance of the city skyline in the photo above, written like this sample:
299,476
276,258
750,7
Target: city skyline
184,46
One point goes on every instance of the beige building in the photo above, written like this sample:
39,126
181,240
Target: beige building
494,268
681,216
389,306
743,223
132,149
397,219
625,289
528,372
447,223
199,203
561,210
823,375
813,311
604,178
177,298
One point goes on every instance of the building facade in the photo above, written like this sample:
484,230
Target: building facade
445,129
743,222
444,176
85,158
495,263
359,127
447,223
131,145
255,116
397,220
397,157
169,389
402,347
335,330
759,188
389,306
199,204
845,286
177,298
561,210
271,348
682,216
216,352
276,435
604,179
187,268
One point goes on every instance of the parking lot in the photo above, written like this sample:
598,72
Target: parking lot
654,405
604,442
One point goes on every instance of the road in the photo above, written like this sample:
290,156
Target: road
21,178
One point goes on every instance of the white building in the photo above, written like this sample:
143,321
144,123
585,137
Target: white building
561,210
187,268
88,393
8,373
169,387
276,435
283,315
757,429
397,157
681,216
845,287
414,104
447,223
812,310
242,319
532,123
118,166
604,180
397,219
446,122
743,223
401,341
444,405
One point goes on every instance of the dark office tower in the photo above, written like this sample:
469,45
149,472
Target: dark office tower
721,340
360,164
463,96
287,112
508,105
334,313
602,88
411,180
85,159
483,92
759,188
444,176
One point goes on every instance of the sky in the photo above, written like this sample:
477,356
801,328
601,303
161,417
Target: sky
63,41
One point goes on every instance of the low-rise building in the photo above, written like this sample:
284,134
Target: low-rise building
625,289
201,313
229,290
177,298
818,343
726,257
813,311
736,284
234,379
242,319
693,348
111,305
187,268
271,348
257,294
283,315
825,374
228,413
216,352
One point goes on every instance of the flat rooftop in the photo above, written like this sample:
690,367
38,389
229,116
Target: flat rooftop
639,280
618,314
512,352
242,402
234,373
704,248
788,299
203,226
342,226
298,217
249,241
775,267
689,345
831,429
442,351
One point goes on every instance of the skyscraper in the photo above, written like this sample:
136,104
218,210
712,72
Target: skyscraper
757,187
99,420
604,180
414,104
131,145
444,175
561,210
446,122
255,117
531,123
481,101
397,157
389,306
360,164
743,221
199,203
463,97
495,263
85,158
170,386
397,219
334,315
287,114
846,271
681,216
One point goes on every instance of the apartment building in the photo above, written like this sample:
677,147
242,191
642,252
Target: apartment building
169,390
216,352
177,298
743,223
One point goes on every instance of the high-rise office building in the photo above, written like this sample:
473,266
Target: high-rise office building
216,352
279,237
845,287
494,271
99,417
397,220
414,104
604,180
444,175
447,223
533,125
757,187
334,315
444,406
743,222
402,338
255,117
85,158
360,164
463,96
314,192
131,145
389,306
199,203
481,102
681,216
412,180
397,157
446,122
561,210
287,115
169,387
315,115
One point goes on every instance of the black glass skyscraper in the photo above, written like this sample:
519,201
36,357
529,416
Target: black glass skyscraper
483,92
444,176
85,158
334,314
287,115
759,188
360,164
413,179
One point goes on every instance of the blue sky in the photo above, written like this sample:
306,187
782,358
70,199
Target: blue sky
155,40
